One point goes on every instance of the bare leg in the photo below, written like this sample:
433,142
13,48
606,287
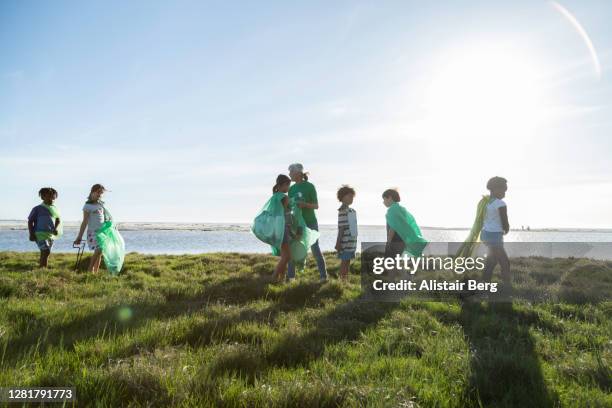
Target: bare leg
94,263
44,258
98,260
490,264
344,269
281,267
92,260
504,262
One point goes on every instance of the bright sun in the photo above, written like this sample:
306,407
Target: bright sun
482,91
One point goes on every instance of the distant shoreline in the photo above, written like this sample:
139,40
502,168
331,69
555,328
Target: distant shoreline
237,226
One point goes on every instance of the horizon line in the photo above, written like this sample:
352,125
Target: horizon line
603,229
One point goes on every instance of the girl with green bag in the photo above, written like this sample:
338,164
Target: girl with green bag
273,225
281,225
102,235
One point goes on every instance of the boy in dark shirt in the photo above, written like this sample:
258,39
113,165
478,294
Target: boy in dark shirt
44,224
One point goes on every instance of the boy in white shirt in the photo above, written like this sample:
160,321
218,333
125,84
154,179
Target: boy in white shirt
346,242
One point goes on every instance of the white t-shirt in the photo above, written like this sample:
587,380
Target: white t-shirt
95,212
492,220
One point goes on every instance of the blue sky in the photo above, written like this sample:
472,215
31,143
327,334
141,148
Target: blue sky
188,110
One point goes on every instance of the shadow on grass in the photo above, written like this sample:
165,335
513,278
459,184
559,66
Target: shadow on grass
505,371
236,291
238,359
220,327
345,322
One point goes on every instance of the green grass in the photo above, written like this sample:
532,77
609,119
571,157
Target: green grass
210,330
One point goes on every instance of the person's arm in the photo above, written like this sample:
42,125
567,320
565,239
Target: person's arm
390,235
57,223
311,202
31,229
31,225
503,214
339,238
312,206
77,241
341,228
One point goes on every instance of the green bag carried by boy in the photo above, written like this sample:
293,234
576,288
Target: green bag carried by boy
404,224
112,246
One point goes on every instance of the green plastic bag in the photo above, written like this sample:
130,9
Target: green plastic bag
301,246
467,248
112,246
269,225
404,224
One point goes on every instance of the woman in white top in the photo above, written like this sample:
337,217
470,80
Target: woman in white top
94,215
494,227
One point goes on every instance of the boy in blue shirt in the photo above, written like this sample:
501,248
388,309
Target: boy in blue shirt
44,224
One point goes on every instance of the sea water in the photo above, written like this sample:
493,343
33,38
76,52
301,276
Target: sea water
152,238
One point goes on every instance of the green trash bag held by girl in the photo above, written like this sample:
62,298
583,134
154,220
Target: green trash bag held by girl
404,224
467,248
269,227
111,244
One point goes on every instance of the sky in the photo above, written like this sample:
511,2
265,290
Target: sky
188,110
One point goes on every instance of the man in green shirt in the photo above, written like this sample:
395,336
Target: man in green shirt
305,195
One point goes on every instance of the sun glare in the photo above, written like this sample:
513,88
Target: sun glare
486,87
484,93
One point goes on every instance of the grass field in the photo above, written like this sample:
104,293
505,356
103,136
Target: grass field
210,330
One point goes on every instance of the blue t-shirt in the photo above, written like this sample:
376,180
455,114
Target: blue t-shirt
42,218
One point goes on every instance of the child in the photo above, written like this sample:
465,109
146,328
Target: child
346,243
44,224
403,233
94,215
280,190
495,226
